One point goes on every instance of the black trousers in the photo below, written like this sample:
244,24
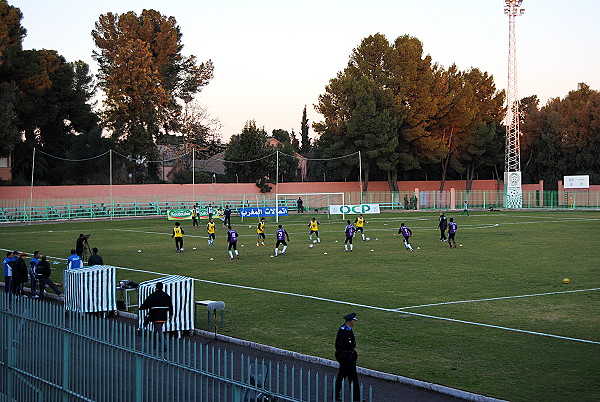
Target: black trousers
347,370
179,243
442,234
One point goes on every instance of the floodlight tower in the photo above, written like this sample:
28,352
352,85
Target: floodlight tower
512,164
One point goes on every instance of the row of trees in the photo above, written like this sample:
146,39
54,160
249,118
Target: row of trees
406,113
149,87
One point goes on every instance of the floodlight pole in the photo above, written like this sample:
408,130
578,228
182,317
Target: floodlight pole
512,163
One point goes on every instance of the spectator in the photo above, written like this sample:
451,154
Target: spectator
8,268
95,259
33,264
74,261
43,277
19,274
300,205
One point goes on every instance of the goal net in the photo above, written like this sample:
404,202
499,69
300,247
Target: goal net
309,202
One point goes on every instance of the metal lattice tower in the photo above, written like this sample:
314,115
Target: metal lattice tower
512,8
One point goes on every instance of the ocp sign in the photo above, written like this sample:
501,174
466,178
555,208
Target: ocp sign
354,209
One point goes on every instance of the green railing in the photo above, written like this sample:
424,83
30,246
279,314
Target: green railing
42,209
49,355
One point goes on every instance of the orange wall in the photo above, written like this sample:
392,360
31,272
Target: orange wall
23,192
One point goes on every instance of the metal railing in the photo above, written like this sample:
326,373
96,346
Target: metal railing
43,209
49,355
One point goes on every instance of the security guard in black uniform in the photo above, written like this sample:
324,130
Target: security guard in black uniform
345,354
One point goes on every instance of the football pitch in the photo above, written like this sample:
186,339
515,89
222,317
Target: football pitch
491,316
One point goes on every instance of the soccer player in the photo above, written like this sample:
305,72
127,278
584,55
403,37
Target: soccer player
232,237
314,228
406,233
282,234
360,225
178,235
443,225
349,236
260,232
465,209
195,214
452,228
227,215
210,228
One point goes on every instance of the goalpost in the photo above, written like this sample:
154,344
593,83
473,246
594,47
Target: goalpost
311,201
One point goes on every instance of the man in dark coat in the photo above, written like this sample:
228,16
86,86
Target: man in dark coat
345,354
443,225
19,274
43,273
160,308
95,259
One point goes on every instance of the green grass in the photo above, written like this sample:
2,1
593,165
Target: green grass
503,254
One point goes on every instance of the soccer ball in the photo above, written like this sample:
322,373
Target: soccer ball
139,251
310,246
368,238
314,241
566,280
212,259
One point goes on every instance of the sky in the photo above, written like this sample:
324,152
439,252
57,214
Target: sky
271,58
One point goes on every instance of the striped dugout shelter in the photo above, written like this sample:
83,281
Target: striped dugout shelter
181,290
90,289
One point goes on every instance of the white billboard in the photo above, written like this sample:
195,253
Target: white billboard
354,209
582,181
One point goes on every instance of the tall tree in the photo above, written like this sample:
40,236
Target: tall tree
250,145
358,107
11,38
304,134
145,77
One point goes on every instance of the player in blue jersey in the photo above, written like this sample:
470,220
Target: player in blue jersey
406,233
349,235
281,234
452,228
232,238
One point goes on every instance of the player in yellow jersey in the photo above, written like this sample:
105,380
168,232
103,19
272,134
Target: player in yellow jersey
210,228
260,233
314,228
178,235
359,223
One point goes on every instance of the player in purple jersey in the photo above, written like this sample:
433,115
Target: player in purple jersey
452,227
281,234
406,233
349,236
232,237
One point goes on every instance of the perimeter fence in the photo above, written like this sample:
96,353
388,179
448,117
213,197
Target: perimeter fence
43,209
49,355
